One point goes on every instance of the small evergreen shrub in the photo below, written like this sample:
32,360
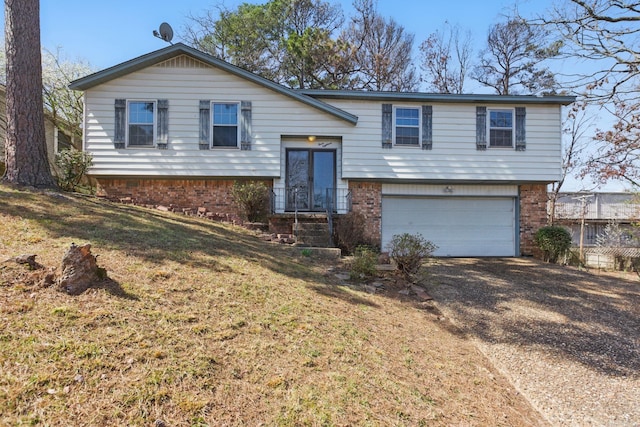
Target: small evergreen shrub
409,251
364,263
251,199
72,166
614,236
554,241
349,232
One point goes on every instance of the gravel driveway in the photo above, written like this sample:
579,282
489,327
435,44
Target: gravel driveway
568,340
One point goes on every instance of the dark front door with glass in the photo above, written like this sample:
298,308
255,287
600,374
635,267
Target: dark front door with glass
310,173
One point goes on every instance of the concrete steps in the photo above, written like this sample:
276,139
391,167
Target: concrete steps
314,234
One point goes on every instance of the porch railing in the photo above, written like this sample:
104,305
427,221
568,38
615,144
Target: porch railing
338,200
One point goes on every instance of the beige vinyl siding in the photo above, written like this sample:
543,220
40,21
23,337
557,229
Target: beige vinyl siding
273,115
454,155
451,190
184,81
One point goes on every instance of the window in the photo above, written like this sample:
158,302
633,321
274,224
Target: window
225,124
501,128
62,141
141,123
407,126
501,132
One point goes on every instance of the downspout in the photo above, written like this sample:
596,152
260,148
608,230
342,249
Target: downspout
295,217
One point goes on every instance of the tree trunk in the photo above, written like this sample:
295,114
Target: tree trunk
26,147
79,270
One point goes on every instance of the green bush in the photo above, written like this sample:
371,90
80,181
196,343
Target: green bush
251,199
364,263
409,251
554,241
72,166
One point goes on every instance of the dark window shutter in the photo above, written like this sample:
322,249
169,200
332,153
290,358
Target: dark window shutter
163,124
427,126
205,124
521,133
120,123
481,128
245,125
387,125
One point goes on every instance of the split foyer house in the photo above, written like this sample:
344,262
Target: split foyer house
468,172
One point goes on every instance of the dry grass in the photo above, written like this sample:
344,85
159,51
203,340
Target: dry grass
204,324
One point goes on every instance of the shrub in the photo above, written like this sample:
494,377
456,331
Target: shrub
364,263
349,232
554,241
72,166
409,251
252,199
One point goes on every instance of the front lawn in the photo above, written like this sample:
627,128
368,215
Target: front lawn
202,323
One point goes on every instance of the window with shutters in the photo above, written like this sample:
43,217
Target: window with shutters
141,123
406,130
226,132
501,128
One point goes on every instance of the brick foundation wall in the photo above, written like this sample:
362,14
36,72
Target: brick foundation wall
188,193
281,224
366,199
533,215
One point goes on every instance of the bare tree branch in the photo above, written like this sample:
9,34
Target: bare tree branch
511,62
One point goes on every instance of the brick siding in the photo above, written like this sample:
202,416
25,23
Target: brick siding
533,215
366,199
188,193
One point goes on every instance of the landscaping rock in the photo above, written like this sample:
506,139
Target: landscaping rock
370,289
420,293
343,276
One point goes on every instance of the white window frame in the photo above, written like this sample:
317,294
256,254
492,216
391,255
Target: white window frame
512,111
155,121
395,125
213,124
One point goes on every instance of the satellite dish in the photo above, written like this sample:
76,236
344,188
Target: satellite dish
165,33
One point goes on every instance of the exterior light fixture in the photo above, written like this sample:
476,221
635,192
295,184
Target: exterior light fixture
311,138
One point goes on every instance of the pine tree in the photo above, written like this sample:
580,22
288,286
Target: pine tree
25,148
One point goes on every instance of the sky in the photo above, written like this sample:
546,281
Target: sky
106,33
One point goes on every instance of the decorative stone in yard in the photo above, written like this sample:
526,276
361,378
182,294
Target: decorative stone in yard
79,270
370,289
420,293
343,276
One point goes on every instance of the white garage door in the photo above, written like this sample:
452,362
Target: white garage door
460,226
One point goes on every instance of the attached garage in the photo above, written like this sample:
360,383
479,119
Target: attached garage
459,225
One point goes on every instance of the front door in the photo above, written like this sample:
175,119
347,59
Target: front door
309,174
